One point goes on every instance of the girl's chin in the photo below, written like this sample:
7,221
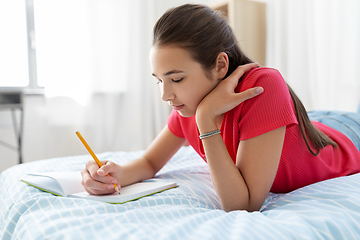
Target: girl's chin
184,113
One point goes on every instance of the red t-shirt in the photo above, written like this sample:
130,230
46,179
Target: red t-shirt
268,111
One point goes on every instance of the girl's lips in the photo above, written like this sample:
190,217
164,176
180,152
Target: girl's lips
177,108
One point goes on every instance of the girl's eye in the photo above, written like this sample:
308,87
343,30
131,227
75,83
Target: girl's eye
177,80
159,81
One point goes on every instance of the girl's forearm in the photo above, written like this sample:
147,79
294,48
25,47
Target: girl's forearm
228,182
227,179
135,171
154,158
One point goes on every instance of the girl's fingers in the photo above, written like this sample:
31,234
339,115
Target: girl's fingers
97,173
247,94
97,188
240,70
107,168
250,93
101,185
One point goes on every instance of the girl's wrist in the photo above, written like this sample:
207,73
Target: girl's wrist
205,123
120,175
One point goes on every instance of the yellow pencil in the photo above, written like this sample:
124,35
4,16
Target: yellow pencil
94,156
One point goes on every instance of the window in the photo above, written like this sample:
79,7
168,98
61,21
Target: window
17,45
79,46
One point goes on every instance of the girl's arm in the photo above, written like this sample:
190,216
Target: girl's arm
159,152
243,186
165,145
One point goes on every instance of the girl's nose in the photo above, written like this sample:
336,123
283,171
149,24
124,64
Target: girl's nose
167,93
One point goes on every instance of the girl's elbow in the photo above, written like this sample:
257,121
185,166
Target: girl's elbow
228,207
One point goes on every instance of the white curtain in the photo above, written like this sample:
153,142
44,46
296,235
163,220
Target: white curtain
93,61
316,46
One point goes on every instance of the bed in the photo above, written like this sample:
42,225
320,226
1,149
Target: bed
324,210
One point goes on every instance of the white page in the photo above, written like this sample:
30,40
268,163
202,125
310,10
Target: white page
69,182
131,192
44,183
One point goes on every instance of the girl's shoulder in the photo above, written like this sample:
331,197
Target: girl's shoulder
261,76
262,71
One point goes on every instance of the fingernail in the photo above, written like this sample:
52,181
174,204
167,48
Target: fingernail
110,186
114,181
101,170
259,90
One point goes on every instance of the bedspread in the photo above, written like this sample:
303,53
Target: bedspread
324,210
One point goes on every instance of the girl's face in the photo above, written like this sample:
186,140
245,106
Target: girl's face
183,82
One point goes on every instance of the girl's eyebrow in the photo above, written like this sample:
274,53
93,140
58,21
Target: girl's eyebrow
170,72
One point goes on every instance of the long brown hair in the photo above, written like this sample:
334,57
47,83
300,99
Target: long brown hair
206,33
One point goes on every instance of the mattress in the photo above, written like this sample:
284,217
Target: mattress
324,210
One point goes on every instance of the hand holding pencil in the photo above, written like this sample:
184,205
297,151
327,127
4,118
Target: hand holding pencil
94,156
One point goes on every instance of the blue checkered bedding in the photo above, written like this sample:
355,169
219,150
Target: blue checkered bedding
325,210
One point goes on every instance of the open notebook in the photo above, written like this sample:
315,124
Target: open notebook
68,184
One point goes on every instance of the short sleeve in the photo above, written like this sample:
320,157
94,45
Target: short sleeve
174,124
268,111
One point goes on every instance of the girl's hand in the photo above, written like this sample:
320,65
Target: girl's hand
223,97
96,182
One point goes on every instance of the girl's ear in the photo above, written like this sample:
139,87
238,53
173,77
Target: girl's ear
222,65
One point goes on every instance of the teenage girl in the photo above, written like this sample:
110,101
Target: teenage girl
266,143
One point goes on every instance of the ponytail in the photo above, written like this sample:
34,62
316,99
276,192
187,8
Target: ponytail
309,132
